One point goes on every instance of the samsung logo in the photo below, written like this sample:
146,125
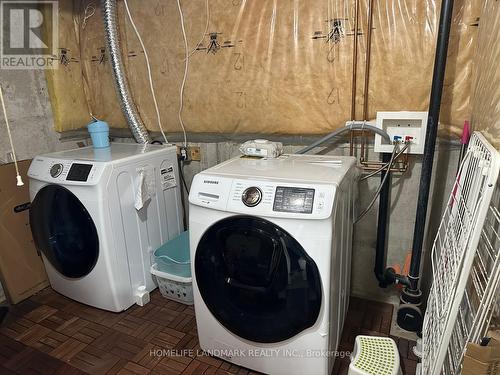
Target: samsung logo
211,182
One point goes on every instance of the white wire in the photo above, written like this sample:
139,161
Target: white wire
151,87
186,66
205,32
18,176
88,13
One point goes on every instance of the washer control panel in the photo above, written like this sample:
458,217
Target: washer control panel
72,172
251,196
293,199
79,172
263,197
56,170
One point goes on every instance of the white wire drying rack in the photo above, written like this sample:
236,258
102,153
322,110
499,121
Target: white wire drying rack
465,263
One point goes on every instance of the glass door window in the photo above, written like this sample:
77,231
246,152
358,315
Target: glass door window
64,231
257,280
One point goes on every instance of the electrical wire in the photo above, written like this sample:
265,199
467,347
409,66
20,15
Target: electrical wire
377,193
204,32
386,164
88,13
150,78
186,66
180,165
181,172
18,176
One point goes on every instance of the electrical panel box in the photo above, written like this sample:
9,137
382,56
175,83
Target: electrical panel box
403,127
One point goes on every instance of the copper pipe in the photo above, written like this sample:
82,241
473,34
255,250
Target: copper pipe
400,164
393,169
368,57
354,69
367,74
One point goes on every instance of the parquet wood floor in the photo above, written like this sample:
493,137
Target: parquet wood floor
51,334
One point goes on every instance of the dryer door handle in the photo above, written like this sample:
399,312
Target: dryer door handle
234,283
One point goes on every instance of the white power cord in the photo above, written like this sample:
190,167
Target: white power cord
18,176
151,87
205,32
186,66
88,13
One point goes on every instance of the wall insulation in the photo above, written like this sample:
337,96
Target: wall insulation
276,67
486,94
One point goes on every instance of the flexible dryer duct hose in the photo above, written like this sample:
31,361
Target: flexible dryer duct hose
109,14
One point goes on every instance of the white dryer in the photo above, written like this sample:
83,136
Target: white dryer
95,244
271,248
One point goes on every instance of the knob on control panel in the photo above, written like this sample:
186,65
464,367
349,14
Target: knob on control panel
56,170
252,196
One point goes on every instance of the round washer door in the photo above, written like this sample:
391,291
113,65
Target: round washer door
257,280
64,231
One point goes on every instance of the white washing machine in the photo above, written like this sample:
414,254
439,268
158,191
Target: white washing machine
95,244
271,248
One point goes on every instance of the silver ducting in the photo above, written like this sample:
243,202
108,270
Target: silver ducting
109,14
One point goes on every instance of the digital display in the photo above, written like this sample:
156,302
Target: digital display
79,172
291,199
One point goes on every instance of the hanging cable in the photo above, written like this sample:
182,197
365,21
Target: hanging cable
180,165
150,78
88,13
205,32
186,66
18,176
181,172
377,193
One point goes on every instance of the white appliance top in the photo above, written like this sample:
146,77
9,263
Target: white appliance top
84,166
295,167
116,151
291,186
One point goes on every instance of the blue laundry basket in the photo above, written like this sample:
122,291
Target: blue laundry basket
172,269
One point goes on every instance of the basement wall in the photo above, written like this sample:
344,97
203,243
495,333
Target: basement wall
32,129
404,195
30,117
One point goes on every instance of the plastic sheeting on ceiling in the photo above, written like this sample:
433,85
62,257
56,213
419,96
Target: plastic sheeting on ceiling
277,67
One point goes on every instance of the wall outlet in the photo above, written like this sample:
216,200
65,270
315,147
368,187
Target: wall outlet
195,153
183,154
403,127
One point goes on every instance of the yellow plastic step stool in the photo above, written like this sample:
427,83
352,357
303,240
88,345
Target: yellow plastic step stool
374,356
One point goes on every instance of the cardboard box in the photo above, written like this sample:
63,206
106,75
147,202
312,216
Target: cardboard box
472,366
482,360
489,353
495,335
21,268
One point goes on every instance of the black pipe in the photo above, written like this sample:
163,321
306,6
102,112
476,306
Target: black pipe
383,216
385,276
430,139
